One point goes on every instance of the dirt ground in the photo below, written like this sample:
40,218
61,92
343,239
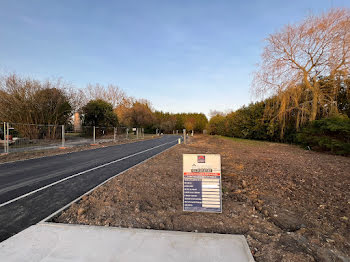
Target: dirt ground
291,204
16,156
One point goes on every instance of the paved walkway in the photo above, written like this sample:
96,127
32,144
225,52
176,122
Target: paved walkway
61,242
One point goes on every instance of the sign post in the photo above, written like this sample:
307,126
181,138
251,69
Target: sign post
202,183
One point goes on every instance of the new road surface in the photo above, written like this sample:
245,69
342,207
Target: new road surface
33,189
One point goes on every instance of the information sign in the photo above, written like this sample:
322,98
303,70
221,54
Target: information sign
202,183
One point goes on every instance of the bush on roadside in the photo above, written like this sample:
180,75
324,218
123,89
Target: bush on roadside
328,134
216,125
99,113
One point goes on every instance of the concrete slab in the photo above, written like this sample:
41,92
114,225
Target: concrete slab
61,242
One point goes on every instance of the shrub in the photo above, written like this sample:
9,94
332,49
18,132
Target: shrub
99,113
216,125
328,134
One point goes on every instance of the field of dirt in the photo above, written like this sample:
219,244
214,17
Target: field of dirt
16,156
291,204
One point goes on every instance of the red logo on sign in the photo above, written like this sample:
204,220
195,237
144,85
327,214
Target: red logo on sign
200,159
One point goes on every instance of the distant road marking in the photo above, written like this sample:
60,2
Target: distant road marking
80,173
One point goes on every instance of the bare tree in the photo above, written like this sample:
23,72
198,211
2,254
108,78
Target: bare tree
294,59
111,94
24,102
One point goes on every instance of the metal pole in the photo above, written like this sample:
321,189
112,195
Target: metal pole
5,144
8,137
94,135
184,131
63,138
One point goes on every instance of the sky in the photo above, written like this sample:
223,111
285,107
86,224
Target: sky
182,55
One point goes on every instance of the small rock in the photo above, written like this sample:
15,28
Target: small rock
302,230
81,211
258,207
288,221
244,184
289,243
330,240
254,197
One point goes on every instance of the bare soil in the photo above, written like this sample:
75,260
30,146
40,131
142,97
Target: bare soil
291,204
16,156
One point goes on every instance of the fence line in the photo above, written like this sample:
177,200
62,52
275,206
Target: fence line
20,137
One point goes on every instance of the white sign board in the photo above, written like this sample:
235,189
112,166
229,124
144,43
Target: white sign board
202,183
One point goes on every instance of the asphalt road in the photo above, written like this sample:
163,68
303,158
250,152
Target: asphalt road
58,180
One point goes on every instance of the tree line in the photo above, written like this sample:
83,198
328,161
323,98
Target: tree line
53,102
304,86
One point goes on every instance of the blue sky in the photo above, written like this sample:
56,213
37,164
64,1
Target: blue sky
182,55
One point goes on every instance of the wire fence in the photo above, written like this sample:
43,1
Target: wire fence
17,137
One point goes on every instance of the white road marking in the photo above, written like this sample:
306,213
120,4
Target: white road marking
80,173
104,182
